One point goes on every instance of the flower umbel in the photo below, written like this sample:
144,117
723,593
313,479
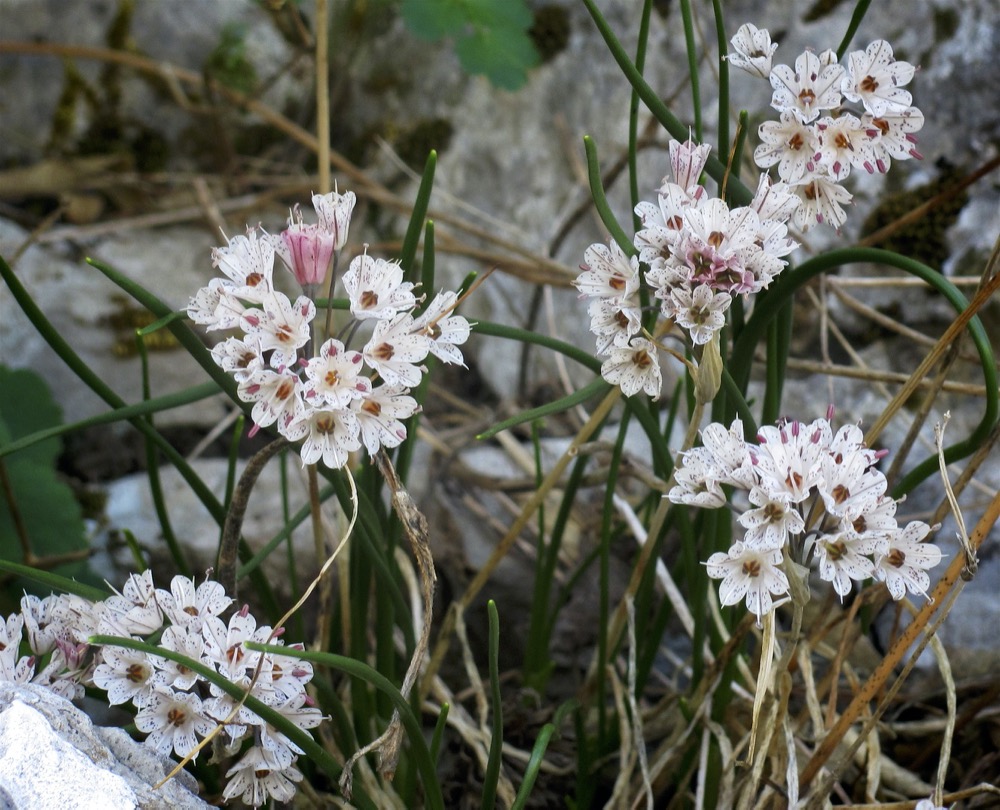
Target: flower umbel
812,493
321,391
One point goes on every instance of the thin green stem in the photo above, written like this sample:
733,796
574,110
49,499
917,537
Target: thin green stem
723,46
601,201
860,9
692,55
408,252
739,193
633,112
153,472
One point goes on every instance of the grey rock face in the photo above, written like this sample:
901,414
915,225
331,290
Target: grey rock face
52,755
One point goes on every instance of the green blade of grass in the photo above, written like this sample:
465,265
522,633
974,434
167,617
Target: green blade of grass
492,775
408,252
533,767
54,581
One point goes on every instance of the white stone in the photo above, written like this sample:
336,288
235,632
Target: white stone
52,755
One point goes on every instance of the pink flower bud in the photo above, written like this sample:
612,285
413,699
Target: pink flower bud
310,250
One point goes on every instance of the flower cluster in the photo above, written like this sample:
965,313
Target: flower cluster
176,706
336,398
700,253
812,493
816,141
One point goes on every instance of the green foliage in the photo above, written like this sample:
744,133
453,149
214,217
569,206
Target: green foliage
49,514
228,63
491,36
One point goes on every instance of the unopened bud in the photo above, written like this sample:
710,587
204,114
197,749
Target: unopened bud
708,377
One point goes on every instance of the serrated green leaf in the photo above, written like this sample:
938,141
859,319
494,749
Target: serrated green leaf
490,35
502,55
513,14
434,19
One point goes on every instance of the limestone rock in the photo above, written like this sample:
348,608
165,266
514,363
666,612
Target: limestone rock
52,755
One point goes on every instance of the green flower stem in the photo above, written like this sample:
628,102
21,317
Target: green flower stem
533,767
195,393
438,736
404,454
596,386
692,55
601,201
581,356
608,517
537,666
736,397
739,193
736,162
408,252
153,472
723,46
860,9
778,347
427,266
633,112
54,581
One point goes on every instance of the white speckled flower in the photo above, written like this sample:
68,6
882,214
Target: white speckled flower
753,50
185,604
876,79
751,574
173,721
328,434
809,89
334,376
257,777
445,330
126,675
635,368
821,200
790,144
903,567
376,288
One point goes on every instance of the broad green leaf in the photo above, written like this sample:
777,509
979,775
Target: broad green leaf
502,55
48,513
26,406
434,19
